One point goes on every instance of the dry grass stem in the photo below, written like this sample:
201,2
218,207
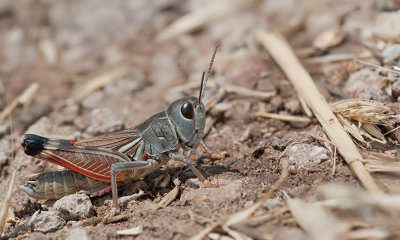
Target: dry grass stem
245,92
360,117
167,199
331,58
202,16
380,162
24,99
241,91
282,53
379,67
285,118
361,110
6,202
305,107
98,82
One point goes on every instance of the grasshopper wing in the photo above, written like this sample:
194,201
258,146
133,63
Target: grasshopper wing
94,162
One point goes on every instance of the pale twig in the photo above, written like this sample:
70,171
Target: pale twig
23,99
306,109
6,202
285,118
98,82
331,58
241,91
167,199
379,67
282,53
245,92
202,16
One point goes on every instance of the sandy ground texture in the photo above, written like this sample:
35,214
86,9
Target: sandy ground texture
96,66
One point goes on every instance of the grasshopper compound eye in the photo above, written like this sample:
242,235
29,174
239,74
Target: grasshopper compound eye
187,110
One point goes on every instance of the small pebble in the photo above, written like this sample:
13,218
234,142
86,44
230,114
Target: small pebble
304,155
74,207
366,84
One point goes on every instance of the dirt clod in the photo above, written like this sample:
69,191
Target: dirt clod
23,206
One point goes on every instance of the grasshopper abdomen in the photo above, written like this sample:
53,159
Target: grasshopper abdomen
57,184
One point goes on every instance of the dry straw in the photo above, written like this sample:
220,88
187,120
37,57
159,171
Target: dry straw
360,118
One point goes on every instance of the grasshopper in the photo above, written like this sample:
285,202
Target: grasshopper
131,153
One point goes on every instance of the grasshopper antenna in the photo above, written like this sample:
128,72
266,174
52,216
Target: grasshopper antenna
204,79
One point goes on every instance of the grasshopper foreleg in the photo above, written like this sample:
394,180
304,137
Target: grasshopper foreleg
122,167
198,174
180,157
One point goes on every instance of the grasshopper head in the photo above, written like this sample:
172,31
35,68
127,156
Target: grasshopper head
189,115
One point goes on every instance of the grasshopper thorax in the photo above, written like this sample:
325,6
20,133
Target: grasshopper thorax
189,118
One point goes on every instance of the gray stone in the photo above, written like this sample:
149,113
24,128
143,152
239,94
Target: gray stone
74,207
366,84
47,222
